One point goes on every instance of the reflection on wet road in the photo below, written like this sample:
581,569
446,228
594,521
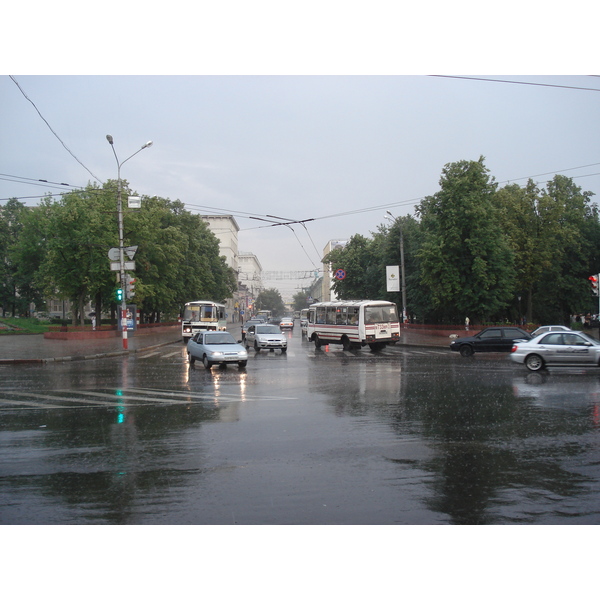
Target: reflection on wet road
409,436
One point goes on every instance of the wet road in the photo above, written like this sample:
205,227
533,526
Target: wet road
408,436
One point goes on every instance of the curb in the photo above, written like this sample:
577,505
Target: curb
38,361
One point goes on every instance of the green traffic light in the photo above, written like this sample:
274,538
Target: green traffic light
119,295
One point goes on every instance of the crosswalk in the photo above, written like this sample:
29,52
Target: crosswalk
121,398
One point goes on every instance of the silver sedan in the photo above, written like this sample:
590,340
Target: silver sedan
557,348
216,347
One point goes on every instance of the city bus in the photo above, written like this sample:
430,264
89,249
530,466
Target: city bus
353,324
265,314
202,315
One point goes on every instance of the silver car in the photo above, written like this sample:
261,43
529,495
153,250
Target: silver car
548,328
216,347
265,337
557,348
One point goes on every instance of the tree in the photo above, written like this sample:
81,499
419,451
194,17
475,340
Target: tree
270,299
465,258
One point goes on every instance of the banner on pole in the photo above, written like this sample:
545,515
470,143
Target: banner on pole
393,278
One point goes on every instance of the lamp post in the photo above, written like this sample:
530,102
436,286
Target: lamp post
391,217
121,248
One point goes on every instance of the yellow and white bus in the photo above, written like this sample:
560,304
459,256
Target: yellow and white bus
202,315
353,324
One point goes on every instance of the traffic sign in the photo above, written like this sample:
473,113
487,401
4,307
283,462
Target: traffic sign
340,274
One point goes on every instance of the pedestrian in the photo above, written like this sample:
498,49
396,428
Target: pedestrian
467,321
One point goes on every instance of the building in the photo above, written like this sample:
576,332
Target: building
327,294
249,280
245,264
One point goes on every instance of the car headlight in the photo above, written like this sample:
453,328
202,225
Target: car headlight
216,354
243,354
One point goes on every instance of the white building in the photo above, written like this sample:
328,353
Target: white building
327,294
245,264
250,280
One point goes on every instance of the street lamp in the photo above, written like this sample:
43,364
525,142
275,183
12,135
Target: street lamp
391,217
121,249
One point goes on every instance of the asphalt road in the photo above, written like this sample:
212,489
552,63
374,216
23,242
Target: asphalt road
412,435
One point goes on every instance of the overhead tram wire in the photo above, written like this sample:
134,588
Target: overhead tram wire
489,79
52,130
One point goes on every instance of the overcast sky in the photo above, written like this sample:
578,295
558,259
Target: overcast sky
338,149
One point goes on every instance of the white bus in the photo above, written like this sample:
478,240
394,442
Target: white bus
202,315
265,314
353,323
303,320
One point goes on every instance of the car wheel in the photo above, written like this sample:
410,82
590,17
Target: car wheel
256,346
534,362
242,364
283,350
191,359
206,362
466,350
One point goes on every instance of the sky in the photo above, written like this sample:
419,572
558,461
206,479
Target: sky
334,143
321,110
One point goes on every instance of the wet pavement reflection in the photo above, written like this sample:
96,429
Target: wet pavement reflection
407,436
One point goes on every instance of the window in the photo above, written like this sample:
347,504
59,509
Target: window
491,333
554,339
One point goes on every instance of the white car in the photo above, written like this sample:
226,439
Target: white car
265,337
216,347
547,328
557,348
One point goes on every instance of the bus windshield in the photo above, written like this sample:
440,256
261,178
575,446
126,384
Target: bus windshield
200,313
380,314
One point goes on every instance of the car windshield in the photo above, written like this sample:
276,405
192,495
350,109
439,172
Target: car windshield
219,338
267,329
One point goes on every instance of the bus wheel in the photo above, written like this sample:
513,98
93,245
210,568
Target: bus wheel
346,343
317,340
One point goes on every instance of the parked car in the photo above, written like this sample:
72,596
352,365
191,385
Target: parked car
252,321
557,348
490,339
216,347
265,336
286,323
548,328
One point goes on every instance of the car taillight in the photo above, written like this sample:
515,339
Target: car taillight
514,348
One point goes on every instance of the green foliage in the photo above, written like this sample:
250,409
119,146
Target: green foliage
61,250
270,299
466,261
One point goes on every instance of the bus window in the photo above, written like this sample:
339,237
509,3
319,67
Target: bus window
321,314
373,315
353,315
340,316
330,315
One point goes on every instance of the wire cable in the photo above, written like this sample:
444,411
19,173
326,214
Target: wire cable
52,130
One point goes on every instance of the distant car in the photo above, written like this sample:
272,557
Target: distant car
286,323
252,321
265,337
548,328
557,348
216,347
490,339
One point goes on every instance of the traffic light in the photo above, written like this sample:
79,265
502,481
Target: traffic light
594,282
119,295
130,286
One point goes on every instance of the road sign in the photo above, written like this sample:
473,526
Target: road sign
340,274
130,251
113,254
128,265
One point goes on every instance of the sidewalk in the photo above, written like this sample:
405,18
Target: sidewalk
35,349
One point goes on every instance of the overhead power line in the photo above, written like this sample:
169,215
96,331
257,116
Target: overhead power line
52,130
552,85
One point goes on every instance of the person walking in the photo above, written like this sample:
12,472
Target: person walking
467,321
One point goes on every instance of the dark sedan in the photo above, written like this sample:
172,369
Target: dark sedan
491,339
